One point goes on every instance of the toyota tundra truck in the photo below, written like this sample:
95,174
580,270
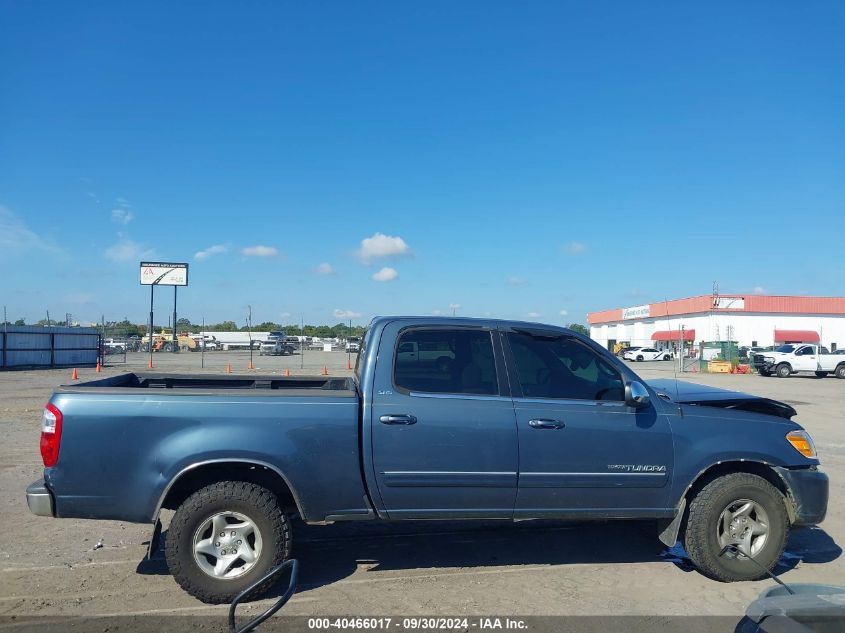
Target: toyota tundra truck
525,421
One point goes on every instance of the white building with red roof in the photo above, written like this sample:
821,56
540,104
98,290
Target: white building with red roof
752,320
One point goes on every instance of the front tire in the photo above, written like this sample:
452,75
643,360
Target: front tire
224,537
738,509
639,359
840,371
783,370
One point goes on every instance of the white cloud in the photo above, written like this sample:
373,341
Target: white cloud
204,254
380,245
514,280
564,313
122,216
534,315
126,250
324,270
346,314
260,251
759,290
386,274
285,315
576,248
16,236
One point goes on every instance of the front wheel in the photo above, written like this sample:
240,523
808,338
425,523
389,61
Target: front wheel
667,357
743,510
224,537
639,359
840,371
783,370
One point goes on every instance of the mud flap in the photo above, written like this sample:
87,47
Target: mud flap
669,535
155,539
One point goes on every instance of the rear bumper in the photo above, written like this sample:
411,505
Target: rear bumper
40,499
809,489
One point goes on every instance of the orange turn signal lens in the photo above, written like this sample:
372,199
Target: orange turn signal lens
802,443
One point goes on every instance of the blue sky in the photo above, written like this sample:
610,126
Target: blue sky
515,159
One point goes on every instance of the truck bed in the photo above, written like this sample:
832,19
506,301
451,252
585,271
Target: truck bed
204,384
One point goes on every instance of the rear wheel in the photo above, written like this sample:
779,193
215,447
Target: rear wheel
224,537
783,370
639,359
742,510
840,371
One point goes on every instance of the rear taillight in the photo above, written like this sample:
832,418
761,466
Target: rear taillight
51,435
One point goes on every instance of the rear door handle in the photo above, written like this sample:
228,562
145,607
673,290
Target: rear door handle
403,418
545,424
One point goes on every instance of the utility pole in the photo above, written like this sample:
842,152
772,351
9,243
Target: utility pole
249,330
175,338
202,338
301,341
152,291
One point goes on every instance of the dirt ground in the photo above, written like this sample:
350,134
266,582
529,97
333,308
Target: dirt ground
52,567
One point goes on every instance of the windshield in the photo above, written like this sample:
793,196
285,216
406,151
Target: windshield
786,349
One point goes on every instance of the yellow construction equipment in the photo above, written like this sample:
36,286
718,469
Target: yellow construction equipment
163,342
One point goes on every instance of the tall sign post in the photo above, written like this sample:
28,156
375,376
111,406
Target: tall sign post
163,274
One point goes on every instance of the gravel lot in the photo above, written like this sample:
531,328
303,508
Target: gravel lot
51,567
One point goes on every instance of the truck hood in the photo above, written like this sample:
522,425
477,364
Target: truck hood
706,396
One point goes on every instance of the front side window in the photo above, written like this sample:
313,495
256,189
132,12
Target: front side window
563,368
446,361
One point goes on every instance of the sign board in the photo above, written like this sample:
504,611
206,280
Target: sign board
164,274
637,312
729,303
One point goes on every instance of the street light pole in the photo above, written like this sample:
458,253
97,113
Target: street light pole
249,330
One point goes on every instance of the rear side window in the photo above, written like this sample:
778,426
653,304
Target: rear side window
446,361
563,368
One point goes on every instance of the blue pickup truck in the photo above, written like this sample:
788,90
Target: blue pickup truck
444,418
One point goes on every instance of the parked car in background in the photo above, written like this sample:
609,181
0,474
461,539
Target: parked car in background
649,353
353,345
275,347
793,358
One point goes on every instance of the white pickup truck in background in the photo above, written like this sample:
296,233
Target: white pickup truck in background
796,357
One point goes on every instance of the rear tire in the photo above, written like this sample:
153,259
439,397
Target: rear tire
667,357
716,517
639,359
840,371
783,370
255,524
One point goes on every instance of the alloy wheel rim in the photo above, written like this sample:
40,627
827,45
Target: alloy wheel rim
745,524
227,545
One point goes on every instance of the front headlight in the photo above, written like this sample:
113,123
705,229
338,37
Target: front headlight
803,443
769,359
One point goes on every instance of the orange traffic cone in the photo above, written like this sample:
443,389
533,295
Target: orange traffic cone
287,373
150,364
250,365
74,375
228,368
325,370
348,364
99,367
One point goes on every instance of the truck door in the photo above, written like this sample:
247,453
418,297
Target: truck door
582,451
806,358
443,431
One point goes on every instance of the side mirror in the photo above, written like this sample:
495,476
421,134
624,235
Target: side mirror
636,395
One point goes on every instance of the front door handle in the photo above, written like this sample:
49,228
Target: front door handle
403,418
545,424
